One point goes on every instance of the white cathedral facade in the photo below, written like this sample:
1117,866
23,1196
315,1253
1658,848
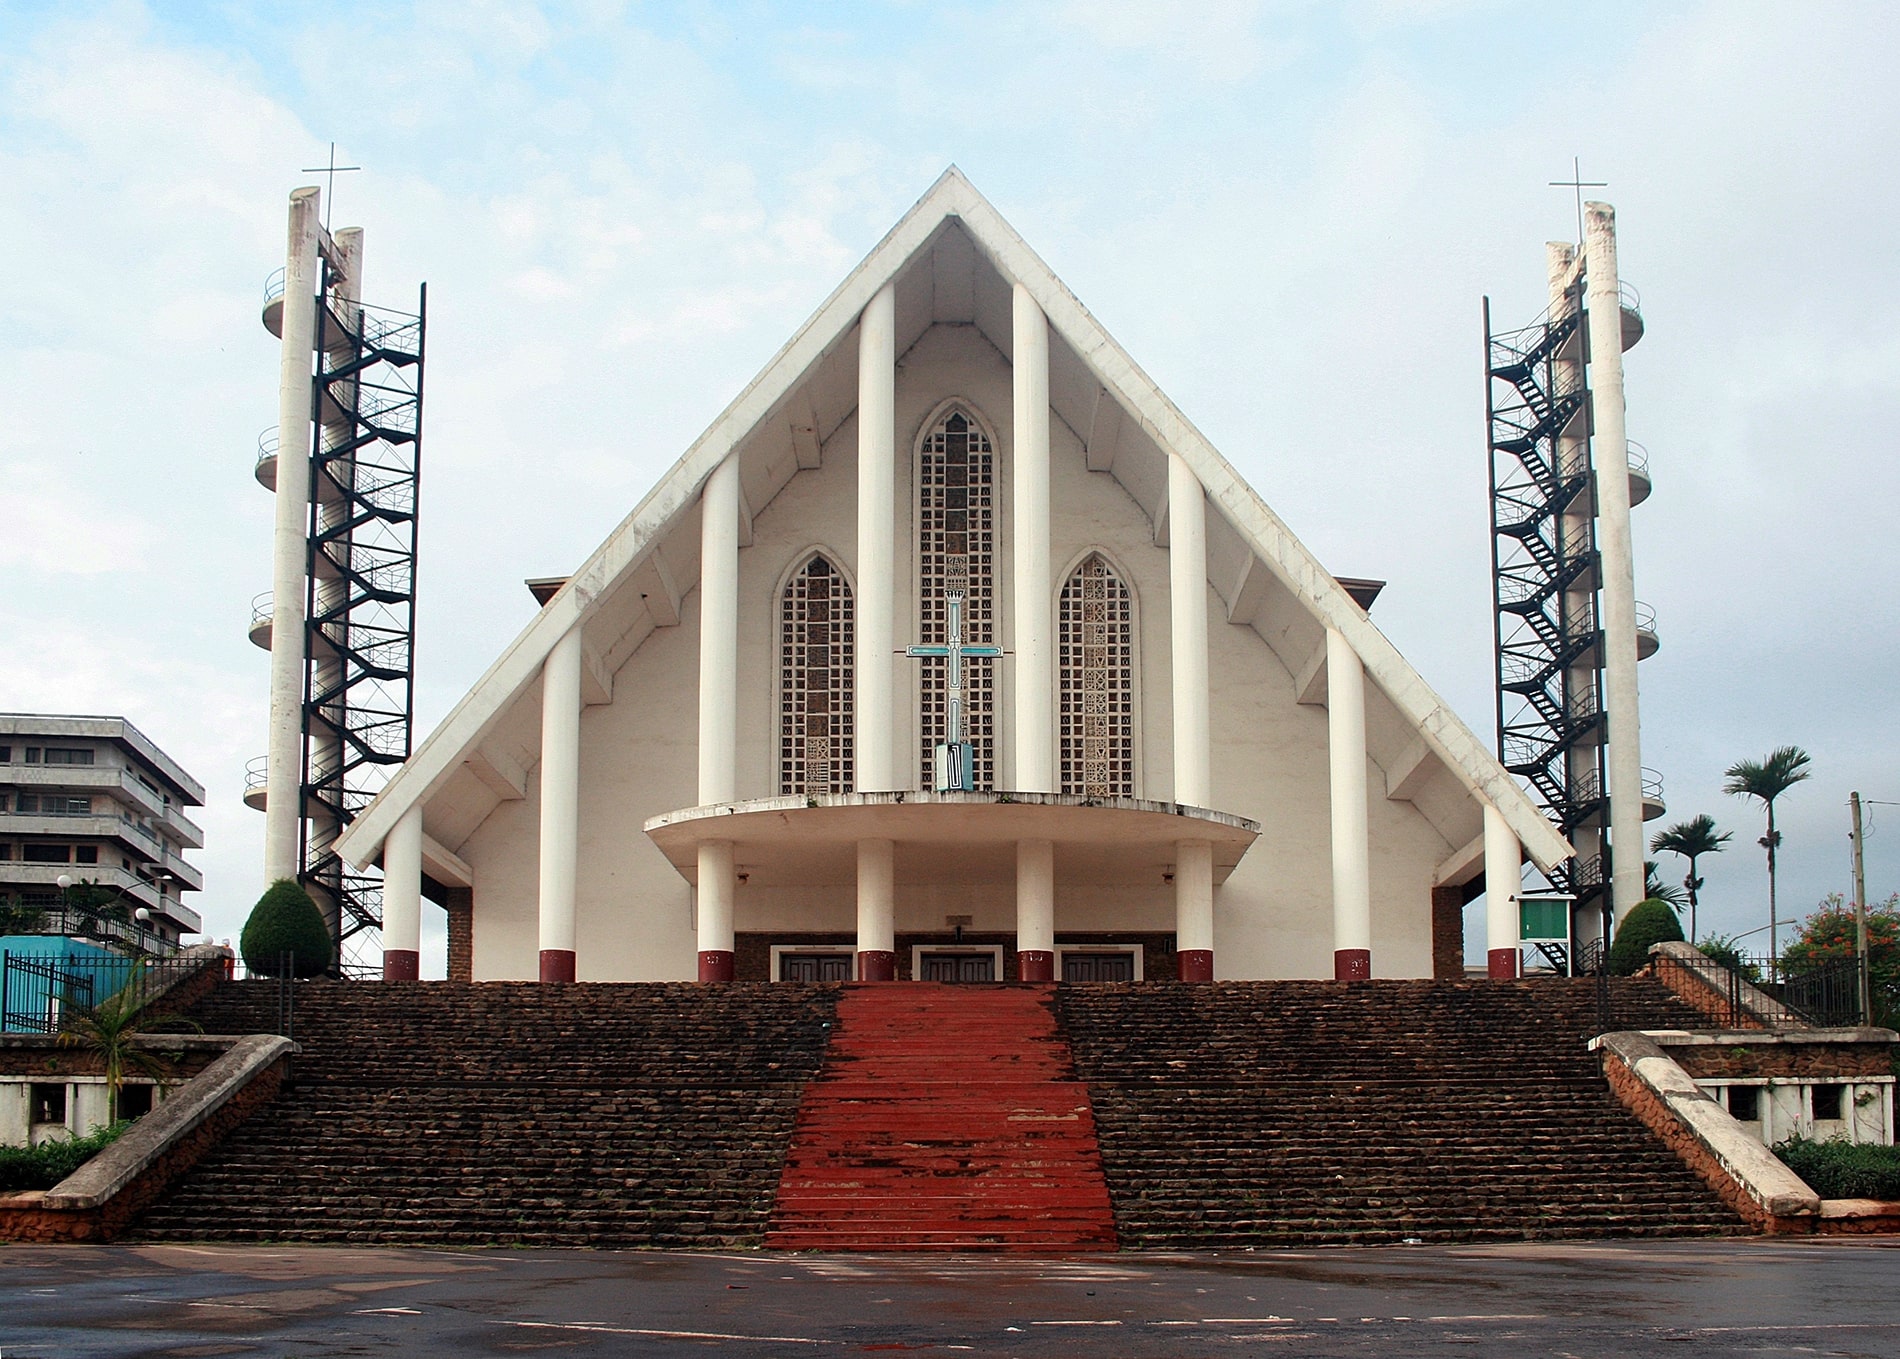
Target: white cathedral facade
723,750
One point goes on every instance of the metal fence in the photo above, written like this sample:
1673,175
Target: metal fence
39,992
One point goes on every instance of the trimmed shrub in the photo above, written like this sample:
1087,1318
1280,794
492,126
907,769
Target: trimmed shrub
46,1165
285,920
1650,922
1844,1170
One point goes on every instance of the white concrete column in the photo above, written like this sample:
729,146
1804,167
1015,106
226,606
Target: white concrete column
283,795
1503,880
402,897
1034,603
877,542
1036,910
1187,590
877,911
1352,872
718,883
719,635
1610,455
1194,910
560,803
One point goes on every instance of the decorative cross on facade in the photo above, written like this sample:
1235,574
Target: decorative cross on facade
953,772
330,172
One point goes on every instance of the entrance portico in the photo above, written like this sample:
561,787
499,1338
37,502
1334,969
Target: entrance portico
875,845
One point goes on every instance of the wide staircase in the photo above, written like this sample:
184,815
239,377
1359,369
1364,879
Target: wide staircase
946,1118
600,1115
1310,1113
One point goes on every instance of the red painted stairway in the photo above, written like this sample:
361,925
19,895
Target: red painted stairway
945,1117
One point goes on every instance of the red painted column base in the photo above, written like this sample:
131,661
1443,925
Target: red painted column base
557,964
1036,965
877,964
1195,964
715,964
1352,964
402,964
1502,964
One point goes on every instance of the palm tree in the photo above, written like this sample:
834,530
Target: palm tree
1655,889
110,1030
1767,780
1691,839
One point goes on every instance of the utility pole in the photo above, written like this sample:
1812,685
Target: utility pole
1860,915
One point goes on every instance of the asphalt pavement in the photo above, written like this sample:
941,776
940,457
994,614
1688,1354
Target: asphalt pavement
1678,1298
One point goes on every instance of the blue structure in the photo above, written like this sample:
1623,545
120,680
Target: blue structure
41,974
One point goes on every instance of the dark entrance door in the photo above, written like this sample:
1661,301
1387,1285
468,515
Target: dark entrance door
814,967
1098,967
959,967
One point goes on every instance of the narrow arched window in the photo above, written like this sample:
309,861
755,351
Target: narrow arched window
815,706
1095,656
956,550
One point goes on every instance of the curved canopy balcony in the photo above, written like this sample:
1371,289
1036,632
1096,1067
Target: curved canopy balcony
256,775
803,840
273,312
1648,641
1639,474
1653,804
1631,307
260,620
265,469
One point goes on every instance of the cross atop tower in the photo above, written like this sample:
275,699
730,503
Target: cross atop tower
1579,183
330,172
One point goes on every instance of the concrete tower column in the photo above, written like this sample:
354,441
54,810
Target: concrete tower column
717,884
283,795
1036,910
402,898
877,542
1503,879
877,898
718,707
1034,603
1194,910
1352,874
1187,589
560,803
1611,455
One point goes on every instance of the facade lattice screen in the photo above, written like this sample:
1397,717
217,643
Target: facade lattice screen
956,522
1096,671
816,638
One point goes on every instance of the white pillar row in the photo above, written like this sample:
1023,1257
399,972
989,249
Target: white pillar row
283,793
877,911
1034,604
1503,880
1352,874
560,803
1036,910
1187,588
718,882
1194,910
718,706
402,898
1610,456
877,542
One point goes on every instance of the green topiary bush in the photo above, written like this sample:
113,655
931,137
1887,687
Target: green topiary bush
285,920
1650,922
46,1165
1844,1170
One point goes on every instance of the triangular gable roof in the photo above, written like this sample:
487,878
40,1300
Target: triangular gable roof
630,546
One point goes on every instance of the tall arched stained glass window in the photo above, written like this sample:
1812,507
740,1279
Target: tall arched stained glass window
815,706
1096,671
956,549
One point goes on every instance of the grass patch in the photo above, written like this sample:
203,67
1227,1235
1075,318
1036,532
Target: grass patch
1844,1170
46,1165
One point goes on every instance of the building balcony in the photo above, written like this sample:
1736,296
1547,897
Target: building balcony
1639,474
1648,642
1631,307
256,776
265,469
259,631
136,889
1653,804
273,314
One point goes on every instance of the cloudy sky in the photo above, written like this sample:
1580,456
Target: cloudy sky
1288,212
